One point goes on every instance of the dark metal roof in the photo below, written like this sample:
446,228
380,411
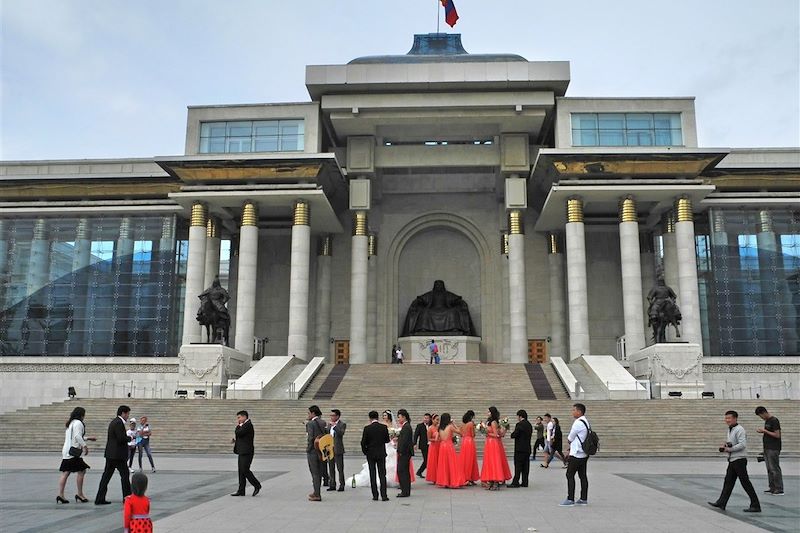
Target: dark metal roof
437,48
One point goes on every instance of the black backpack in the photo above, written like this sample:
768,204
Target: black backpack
592,442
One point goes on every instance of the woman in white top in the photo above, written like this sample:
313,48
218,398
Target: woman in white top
74,437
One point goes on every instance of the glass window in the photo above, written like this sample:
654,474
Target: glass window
626,129
252,136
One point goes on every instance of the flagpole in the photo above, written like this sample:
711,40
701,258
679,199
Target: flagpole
438,14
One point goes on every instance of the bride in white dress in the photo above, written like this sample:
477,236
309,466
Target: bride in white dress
362,478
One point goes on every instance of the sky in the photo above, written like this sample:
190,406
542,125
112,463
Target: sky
113,78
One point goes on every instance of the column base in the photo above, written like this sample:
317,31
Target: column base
452,348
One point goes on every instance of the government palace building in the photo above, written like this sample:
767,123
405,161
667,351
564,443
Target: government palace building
409,191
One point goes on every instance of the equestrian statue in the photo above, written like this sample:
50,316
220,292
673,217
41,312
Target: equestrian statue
213,314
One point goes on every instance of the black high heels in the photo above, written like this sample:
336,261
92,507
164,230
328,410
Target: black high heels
81,500
59,499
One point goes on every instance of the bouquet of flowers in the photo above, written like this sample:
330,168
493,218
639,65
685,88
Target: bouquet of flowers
482,428
394,433
504,423
456,439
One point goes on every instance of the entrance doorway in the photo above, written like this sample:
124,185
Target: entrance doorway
537,350
341,352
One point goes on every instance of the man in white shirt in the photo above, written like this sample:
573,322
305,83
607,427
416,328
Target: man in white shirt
577,457
399,355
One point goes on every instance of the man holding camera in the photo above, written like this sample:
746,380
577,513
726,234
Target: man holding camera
772,450
736,448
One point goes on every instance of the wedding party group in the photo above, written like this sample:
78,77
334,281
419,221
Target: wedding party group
449,452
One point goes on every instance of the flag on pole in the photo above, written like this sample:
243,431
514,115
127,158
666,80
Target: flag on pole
450,13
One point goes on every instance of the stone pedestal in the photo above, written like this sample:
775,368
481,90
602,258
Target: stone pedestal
670,367
208,367
452,349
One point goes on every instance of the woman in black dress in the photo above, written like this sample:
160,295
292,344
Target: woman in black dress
74,437
558,443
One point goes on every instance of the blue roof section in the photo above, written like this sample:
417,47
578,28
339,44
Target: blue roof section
437,48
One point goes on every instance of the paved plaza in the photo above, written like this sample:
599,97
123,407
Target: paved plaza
190,494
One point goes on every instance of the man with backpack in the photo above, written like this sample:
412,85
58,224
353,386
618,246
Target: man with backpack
582,443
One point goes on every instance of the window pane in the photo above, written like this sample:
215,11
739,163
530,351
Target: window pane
639,121
612,138
611,121
640,138
266,144
584,137
217,129
265,128
239,129
582,121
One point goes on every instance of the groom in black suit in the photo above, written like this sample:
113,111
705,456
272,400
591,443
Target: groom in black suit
405,450
421,441
116,456
373,444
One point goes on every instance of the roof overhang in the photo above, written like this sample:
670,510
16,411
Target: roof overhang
250,168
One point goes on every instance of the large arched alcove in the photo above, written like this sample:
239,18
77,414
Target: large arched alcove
439,253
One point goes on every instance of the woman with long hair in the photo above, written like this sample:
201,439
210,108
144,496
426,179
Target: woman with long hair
469,452
75,440
495,469
433,448
449,472
558,444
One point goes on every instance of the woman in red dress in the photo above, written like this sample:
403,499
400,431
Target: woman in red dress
449,472
469,452
136,510
495,469
433,449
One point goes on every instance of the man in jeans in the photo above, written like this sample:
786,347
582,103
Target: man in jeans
736,448
576,457
772,450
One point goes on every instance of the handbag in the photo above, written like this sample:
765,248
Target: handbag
74,451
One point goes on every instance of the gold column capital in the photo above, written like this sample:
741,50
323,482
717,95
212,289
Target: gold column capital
683,209
669,221
575,210
553,243
627,210
40,229
504,243
764,221
302,213
360,223
125,228
212,227
82,231
719,221
516,225
325,246
372,245
199,213
249,214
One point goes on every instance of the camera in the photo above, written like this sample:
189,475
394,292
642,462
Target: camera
760,458
727,445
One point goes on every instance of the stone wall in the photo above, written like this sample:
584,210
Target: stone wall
31,381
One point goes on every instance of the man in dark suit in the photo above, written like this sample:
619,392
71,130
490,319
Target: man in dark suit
243,447
337,429
373,445
116,456
522,434
405,451
421,442
315,427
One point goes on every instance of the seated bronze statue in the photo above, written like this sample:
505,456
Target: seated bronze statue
438,311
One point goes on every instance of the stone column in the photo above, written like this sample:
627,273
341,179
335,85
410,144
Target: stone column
558,308
213,243
373,354
630,261
506,356
670,261
358,289
195,265
687,272
246,280
577,291
323,305
298,281
648,260
518,316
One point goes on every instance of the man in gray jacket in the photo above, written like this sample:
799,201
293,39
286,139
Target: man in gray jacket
736,448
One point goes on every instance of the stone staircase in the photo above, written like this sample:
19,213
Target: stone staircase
677,427
593,388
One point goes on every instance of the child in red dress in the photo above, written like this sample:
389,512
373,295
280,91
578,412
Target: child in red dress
136,511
